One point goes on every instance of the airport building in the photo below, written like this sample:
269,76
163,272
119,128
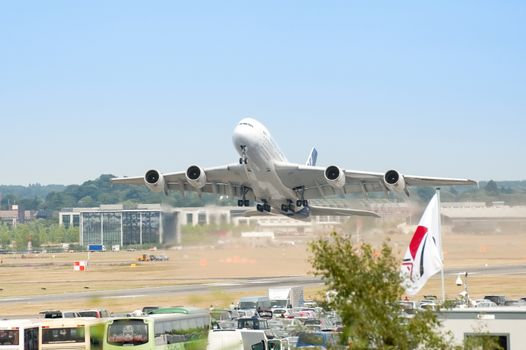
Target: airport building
503,325
112,225
481,217
15,215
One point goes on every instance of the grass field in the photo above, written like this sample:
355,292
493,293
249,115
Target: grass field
54,274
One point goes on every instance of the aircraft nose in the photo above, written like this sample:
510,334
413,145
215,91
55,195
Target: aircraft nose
243,134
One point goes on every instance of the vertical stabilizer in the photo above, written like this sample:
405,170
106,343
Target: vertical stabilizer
313,156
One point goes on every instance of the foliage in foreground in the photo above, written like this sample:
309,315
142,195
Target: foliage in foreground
368,286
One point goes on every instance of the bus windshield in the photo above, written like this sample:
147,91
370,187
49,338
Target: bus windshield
9,337
128,332
63,335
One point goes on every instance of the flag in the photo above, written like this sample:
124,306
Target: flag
423,257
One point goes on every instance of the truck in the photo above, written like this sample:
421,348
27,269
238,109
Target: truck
249,306
285,297
96,248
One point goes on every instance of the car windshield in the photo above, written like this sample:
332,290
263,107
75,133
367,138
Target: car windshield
246,305
278,303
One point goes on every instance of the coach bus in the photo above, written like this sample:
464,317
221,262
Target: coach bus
165,331
71,333
19,335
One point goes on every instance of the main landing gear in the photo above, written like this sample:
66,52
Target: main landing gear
244,202
300,192
263,207
243,159
289,207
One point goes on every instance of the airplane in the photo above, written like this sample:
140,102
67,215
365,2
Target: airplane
264,175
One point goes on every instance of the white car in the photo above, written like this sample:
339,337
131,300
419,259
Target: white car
483,303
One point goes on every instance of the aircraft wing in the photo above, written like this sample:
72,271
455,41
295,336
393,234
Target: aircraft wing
316,186
223,180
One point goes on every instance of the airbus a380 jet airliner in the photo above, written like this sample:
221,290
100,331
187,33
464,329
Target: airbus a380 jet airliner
264,175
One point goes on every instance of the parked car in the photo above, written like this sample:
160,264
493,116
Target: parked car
428,305
409,307
320,340
281,312
98,313
147,309
58,314
483,303
497,299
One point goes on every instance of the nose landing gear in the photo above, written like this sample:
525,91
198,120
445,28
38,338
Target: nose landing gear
243,159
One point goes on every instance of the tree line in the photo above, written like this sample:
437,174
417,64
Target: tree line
93,193
39,232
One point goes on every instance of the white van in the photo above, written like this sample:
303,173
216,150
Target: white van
237,339
219,339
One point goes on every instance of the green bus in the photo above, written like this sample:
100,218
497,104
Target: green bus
165,331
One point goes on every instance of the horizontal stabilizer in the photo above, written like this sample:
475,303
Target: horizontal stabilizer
341,212
254,212
315,211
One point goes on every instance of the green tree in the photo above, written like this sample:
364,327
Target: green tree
368,286
492,188
5,236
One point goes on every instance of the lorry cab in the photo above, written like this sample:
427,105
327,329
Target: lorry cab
251,305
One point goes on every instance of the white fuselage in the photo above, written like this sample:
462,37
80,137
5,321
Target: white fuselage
253,141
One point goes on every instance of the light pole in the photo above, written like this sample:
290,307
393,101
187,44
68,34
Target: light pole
459,282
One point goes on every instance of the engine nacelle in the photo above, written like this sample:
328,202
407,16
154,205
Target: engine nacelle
394,181
196,176
335,177
154,181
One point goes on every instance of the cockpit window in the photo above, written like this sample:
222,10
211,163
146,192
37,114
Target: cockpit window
247,124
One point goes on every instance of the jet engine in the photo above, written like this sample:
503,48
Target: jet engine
154,181
335,177
395,181
196,176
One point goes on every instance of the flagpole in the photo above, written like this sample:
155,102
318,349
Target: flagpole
441,247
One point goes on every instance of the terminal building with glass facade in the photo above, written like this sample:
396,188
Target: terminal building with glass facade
112,225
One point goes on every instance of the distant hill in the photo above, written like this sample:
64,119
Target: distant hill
33,190
30,197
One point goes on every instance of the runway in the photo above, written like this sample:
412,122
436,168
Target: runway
232,285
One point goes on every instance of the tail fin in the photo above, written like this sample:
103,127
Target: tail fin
313,156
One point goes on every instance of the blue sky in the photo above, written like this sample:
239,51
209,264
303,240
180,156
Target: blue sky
428,88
